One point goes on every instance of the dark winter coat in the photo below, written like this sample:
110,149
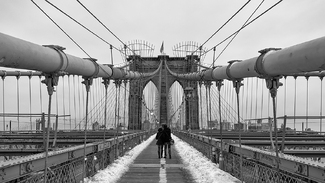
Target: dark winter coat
159,138
166,135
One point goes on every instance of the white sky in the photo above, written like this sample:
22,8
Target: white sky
289,23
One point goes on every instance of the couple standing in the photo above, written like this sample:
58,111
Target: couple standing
163,138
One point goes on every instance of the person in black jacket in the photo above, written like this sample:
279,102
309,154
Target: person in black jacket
160,142
166,138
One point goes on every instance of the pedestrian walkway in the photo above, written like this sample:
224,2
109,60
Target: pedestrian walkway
148,168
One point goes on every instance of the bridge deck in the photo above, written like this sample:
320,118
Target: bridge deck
147,167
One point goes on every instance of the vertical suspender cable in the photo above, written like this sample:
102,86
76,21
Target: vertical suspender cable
106,83
262,101
79,103
63,101
75,103
237,85
246,108
242,103
210,102
307,97
256,99
207,104
284,114
124,109
321,104
40,93
18,99
87,83
57,107
69,100
30,102
251,103
3,103
50,81
201,116
219,84
47,136
295,105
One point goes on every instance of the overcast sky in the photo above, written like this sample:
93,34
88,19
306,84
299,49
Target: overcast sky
172,21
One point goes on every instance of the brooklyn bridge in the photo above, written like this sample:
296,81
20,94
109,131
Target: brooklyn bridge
66,118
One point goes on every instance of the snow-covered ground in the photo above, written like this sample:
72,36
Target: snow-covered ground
201,168
115,170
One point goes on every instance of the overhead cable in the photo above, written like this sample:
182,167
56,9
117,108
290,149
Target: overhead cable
102,23
223,25
244,26
82,25
60,28
238,31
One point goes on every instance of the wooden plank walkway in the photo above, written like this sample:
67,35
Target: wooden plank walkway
148,168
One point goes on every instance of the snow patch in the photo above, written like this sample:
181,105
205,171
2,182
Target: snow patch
121,165
200,167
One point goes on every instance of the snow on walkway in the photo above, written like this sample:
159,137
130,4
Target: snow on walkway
200,167
114,171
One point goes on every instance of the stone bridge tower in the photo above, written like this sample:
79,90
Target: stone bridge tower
163,80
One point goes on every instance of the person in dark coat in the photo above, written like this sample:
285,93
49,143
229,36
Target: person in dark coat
166,138
160,142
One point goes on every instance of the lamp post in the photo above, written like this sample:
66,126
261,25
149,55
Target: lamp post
188,92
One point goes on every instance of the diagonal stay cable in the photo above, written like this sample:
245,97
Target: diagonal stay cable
103,24
82,25
222,25
60,28
244,26
238,31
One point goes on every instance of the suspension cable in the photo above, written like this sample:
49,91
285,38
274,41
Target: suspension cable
88,83
295,104
124,109
321,104
236,33
3,102
237,85
75,102
30,101
223,25
69,101
40,93
104,25
18,99
243,26
63,101
307,97
61,28
82,25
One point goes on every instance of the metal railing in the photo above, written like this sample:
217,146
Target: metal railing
67,165
254,169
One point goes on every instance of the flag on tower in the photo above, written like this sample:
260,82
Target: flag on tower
162,48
